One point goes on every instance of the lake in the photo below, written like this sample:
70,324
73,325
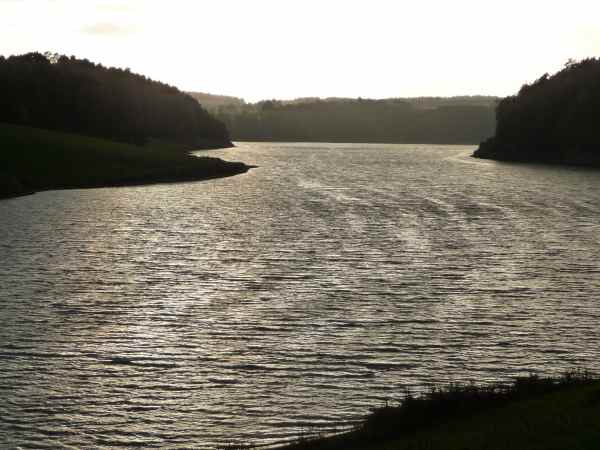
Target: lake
290,299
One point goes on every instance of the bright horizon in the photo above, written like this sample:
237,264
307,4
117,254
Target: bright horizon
288,49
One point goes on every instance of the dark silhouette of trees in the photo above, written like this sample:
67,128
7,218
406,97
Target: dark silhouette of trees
554,119
461,120
63,93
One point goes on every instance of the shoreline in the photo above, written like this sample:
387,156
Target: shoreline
35,160
473,416
346,141
238,169
550,162
498,151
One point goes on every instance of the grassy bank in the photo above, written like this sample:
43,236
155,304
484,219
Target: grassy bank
533,413
33,160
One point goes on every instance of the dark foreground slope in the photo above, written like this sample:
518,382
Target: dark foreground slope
554,120
533,414
33,160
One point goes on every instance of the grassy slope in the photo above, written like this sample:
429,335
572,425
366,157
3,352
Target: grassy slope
33,159
568,418
563,420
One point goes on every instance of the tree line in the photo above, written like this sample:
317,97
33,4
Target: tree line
553,119
74,95
462,120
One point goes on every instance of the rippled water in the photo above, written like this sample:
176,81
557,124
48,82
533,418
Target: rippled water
298,295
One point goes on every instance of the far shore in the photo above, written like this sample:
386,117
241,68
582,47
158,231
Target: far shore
353,141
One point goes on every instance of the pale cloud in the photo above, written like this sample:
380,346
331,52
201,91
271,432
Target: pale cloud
273,48
108,29
119,7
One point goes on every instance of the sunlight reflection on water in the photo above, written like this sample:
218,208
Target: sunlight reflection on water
300,294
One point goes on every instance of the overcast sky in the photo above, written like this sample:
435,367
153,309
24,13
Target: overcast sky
259,49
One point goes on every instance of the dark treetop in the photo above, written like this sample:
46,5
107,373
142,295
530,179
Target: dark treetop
553,120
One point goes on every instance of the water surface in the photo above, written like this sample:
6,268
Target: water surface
258,307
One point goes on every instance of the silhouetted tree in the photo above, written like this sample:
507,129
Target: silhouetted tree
554,119
75,95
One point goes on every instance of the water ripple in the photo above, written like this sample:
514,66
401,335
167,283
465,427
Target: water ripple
291,298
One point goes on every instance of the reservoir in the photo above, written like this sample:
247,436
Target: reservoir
290,299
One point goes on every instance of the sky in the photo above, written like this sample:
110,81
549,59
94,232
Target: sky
262,49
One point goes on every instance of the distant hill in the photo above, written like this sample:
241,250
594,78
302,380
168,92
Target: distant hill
210,101
67,94
418,102
463,100
553,120
454,120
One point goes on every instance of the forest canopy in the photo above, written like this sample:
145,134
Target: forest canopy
554,119
73,95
